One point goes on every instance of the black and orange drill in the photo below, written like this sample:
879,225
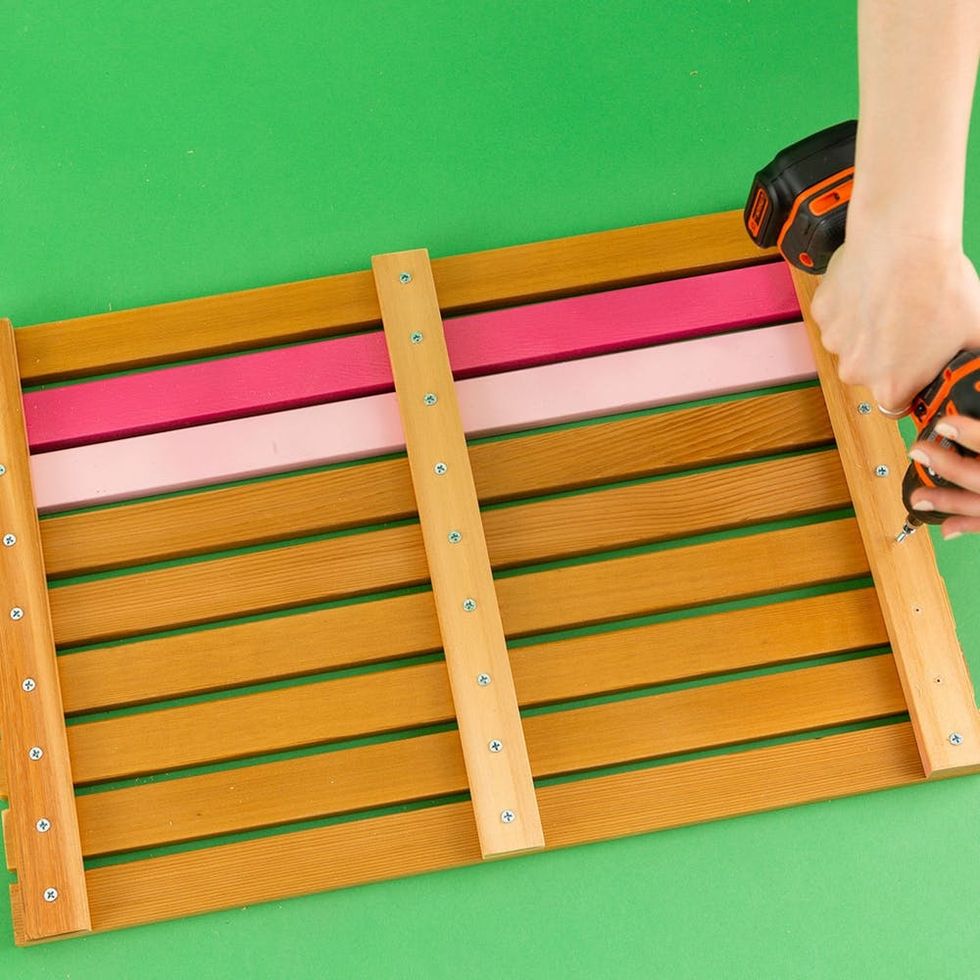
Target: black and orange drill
798,202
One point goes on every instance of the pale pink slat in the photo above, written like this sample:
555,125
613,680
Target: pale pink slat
348,367
363,427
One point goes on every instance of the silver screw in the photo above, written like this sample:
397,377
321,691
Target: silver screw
495,745
440,469
51,894
35,753
955,738
508,816
43,825
429,398
16,613
28,684
416,337
455,537
881,470
864,408
483,679
469,604
405,277
10,540
3,469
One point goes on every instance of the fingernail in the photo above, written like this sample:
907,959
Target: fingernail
952,535
924,505
919,456
945,429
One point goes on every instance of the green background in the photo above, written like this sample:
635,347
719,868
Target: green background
151,152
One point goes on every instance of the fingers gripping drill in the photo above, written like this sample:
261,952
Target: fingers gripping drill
799,203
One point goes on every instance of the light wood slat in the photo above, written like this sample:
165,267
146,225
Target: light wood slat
49,862
443,837
942,704
172,738
432,765
381,491
360,428
500,783
326,639
354,366
338,304
394,557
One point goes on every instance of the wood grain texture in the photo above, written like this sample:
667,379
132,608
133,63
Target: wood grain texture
913,597
443,837
322,307
367,493
432,765
364,427
500,783
392,558
35,747
355,366
680,578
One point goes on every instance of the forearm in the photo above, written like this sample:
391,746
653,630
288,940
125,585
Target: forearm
911,149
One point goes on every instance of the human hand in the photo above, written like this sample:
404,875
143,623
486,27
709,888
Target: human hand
895,307
964,472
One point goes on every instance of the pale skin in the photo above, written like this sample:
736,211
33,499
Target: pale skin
900,298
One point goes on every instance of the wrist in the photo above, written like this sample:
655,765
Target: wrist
939,223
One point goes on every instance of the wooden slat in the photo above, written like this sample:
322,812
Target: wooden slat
500,784
351,367
338,304
365,427
394,557
942,705
563,597
376,492
48,862
431,766
443,837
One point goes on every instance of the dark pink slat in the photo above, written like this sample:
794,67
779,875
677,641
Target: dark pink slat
349,367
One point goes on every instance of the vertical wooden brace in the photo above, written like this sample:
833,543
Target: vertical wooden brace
490,726
913,597
41,828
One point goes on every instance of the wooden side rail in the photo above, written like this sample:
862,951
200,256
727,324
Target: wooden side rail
40,828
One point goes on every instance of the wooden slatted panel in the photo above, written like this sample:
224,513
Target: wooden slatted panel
377,492
40,828
942,703
172,738
339,304
444,837
394,557
431,766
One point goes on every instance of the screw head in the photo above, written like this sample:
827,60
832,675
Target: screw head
495,745
483,679
416,337
28,684
35,753
955,738
455,537
469,604
51,894
864,408
43,825
429,398
3,469
440,469
9,540
16,613
508,816
405,277
881,470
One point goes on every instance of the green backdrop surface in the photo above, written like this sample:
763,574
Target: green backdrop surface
151,152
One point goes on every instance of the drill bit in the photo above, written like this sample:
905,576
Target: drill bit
909,528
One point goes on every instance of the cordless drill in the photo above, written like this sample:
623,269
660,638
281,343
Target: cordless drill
798,202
